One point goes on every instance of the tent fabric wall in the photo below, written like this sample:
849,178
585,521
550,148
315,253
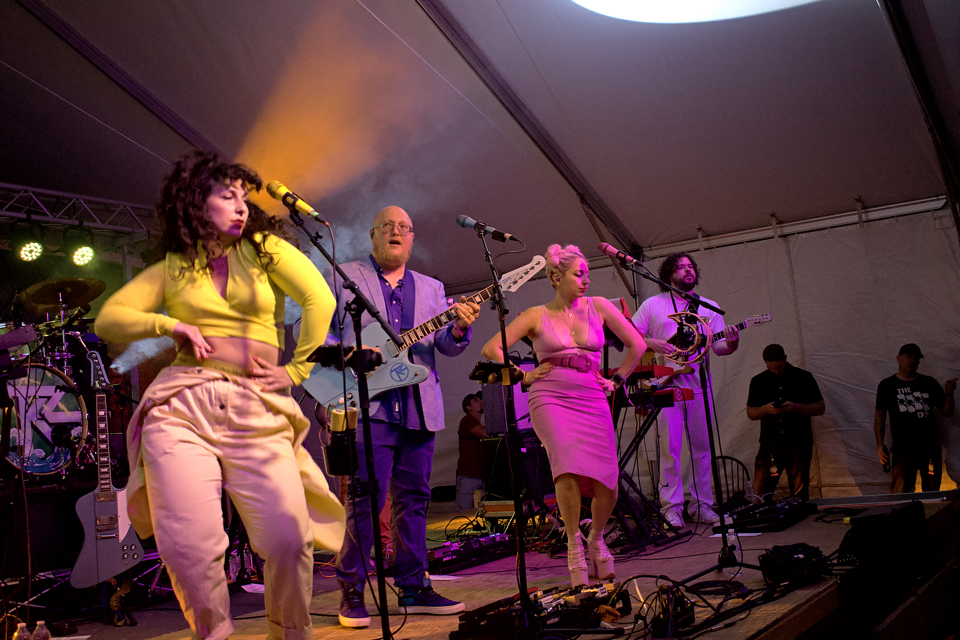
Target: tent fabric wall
843,300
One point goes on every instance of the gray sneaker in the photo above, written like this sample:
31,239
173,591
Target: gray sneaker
353,613
674,516
703,514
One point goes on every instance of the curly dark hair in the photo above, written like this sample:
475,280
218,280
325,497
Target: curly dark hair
182,207
668,266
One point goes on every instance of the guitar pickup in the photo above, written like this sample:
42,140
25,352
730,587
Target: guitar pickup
106,496
107,520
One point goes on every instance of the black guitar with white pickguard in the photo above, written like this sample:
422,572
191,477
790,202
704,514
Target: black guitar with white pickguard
110,545
325,384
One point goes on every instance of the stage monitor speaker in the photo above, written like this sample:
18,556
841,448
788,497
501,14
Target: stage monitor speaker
535,468
56,534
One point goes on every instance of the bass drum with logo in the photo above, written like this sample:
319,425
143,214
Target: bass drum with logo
49,421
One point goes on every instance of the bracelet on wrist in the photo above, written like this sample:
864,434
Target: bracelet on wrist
617,380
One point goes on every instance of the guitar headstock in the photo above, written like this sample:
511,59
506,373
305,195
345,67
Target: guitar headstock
513,280
757,320
99,380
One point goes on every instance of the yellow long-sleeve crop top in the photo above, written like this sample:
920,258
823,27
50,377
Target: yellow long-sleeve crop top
252,307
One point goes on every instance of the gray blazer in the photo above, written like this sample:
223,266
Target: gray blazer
430,301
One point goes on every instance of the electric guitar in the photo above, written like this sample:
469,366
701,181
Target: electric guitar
651,357
325,384
110,545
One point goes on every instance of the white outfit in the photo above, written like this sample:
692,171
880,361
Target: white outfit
651,321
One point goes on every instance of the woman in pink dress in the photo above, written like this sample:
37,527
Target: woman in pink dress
568,399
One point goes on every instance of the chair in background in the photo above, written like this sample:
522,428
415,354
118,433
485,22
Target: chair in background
736,484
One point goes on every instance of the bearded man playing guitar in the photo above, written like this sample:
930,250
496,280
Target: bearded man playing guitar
658,329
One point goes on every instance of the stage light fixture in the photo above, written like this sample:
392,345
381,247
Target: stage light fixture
78,245
680,11
26,239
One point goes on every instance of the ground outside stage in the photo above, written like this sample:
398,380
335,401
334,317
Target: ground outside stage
811,611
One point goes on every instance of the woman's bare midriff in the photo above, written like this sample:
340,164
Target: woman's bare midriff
241,351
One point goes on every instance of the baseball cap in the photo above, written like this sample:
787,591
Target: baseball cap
910,349
470,396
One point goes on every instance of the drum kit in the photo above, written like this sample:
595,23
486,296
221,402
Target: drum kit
48,426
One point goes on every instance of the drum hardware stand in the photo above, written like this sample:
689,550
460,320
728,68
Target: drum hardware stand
240,543
360,357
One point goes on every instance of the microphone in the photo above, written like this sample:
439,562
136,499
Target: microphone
469,223
291,200
338,456
613,252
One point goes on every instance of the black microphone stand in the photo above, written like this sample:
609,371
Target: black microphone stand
527,622
355,308
727,557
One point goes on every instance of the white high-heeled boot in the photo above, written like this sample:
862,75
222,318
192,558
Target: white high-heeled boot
601,561
576,561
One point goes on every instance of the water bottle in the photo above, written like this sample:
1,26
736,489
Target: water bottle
732,544
41,632
22,633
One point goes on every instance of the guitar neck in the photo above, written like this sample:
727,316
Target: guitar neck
738,327
421,331
105,481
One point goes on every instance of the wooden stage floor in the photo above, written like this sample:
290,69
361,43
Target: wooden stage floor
784,618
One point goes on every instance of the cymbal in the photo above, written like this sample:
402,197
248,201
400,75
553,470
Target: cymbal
47,296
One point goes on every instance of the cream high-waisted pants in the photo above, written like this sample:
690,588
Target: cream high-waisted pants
220,435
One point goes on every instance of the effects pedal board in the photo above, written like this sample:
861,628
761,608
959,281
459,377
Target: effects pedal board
586,607
769,516
456,556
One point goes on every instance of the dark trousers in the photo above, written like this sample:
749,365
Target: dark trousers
791,461
906,465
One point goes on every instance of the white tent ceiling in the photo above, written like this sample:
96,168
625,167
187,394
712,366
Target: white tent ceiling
660,129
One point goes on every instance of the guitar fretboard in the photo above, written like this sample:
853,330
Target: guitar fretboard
421,331
738,327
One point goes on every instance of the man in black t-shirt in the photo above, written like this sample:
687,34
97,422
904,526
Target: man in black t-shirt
783,398
910,398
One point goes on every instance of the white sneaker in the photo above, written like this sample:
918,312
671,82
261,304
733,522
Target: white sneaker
674,516
704,514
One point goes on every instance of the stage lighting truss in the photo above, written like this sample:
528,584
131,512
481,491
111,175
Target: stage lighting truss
26,239
78,245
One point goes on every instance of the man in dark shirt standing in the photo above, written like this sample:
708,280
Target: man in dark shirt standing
910,397
783,398
470,463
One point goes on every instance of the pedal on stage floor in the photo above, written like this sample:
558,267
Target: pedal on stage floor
769,516
556,608
470,552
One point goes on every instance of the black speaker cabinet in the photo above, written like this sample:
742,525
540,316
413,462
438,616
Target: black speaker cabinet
535,468
56,535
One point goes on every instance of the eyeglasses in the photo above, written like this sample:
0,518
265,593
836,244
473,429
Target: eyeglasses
402,228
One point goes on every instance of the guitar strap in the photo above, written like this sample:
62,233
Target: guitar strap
408,319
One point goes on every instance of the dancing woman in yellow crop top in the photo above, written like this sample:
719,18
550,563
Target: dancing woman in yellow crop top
221,416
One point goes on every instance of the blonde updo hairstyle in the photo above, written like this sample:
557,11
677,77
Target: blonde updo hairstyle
559,259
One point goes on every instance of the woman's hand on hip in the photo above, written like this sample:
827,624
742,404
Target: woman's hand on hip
539,373
269,376
184,334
